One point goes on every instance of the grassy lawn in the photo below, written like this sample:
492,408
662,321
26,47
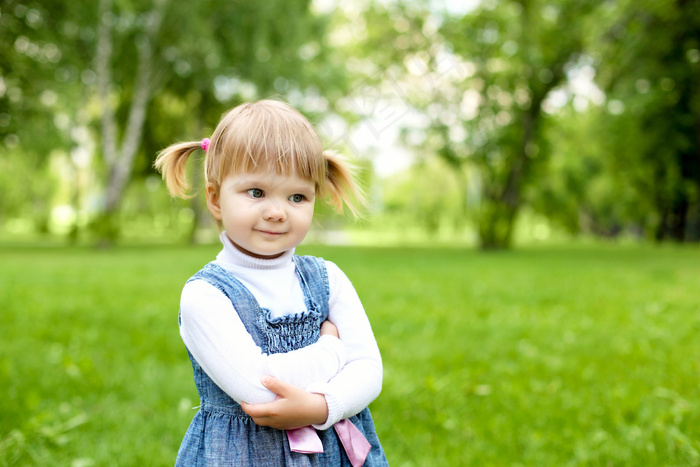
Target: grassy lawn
556,356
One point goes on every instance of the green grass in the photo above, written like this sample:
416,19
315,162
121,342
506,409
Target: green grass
583,355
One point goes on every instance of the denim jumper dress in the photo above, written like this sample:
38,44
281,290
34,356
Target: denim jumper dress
221,434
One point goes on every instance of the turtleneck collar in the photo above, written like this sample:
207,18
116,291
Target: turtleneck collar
232,255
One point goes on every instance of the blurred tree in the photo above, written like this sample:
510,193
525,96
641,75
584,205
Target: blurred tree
516,53
239,51
649,65
39,93
481,78
118,153
209,54
630,162
111,59
425,196
587,188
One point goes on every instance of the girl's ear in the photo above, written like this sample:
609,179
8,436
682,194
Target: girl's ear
213,201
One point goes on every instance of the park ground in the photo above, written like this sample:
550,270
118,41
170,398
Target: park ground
545,355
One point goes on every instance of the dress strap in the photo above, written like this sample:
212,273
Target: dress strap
313,277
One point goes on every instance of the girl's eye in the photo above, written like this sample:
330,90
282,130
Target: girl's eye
297,198
255,192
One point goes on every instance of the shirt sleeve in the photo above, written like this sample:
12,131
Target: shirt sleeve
359,382
217,339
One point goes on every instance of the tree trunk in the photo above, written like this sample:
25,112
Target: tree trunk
496,225
500,216
679,219
693,229
119,158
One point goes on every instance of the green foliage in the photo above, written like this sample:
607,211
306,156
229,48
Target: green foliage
480,80
428,195
630,165
517,55
589,187
205,58
472,87
26,187
649,64
582,355
485,82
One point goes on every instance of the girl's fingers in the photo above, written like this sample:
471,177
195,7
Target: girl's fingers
279,387
259,412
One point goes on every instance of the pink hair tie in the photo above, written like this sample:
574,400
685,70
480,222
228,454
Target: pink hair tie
205,144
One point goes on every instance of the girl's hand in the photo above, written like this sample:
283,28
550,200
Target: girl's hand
328,328
293,408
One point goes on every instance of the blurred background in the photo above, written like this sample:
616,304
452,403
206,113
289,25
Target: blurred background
478,122
565,131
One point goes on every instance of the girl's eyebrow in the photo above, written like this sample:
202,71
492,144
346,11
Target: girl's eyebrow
249,181
303,186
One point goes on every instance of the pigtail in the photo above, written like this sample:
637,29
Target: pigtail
341,184
172,163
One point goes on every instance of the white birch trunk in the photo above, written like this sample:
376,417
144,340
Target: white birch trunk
119,156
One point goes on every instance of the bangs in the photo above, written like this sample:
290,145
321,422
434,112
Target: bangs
267,137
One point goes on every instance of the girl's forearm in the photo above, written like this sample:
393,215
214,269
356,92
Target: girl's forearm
292,409
348,393
219,342
360,380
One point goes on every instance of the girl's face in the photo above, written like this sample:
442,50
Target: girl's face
264,215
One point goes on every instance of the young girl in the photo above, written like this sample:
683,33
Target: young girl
277,341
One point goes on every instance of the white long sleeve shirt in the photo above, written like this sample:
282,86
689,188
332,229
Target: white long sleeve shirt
347,371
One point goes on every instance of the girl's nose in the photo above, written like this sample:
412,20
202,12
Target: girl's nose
274,211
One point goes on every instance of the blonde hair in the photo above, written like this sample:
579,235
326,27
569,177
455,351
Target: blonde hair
265,136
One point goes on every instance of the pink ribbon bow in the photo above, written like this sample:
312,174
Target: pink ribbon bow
306,440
